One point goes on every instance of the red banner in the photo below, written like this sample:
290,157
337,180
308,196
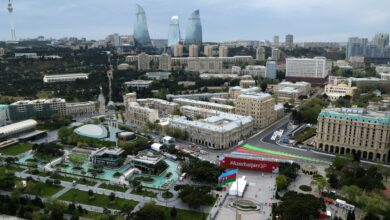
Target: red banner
250,164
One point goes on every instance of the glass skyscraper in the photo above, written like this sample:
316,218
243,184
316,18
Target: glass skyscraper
174,32
194,29
141,32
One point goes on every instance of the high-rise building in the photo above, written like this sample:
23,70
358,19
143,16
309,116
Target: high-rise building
381,39
289,43
141,32
260,53
313,70
194,29
275,54
258,105
270,71
223,51
276,41
178,50
193,50
143,61
2,51
114,40
348,131
208,50
164,62
4,115
174,32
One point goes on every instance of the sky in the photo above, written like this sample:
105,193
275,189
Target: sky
307,20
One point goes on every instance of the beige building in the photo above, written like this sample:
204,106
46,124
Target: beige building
2,52
193,50
164,107
219,130
275,54
260,53
178,50
235,91
206,105
289,43
290,92
258,105
205,64
208,50
223,51
275,42
346,131
81,108
139,115
247,83
164,62
337,90
143,61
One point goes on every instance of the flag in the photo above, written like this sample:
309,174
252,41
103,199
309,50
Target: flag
227,177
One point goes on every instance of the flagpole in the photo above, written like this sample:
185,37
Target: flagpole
237,195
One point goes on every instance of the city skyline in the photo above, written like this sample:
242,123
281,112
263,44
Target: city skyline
221,20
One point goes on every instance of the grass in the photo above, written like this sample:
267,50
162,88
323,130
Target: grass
167,195
46,189
16,149
305,134
305,188
112,187
144,193
38,173
71,179
99,200
184,214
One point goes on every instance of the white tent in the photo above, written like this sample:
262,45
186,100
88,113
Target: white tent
156,147
241,187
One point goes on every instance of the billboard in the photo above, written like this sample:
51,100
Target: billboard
250,164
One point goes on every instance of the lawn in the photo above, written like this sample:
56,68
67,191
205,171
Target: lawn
46,190
144,193
112,187
37,172
71,179
16,149
184,214
100,200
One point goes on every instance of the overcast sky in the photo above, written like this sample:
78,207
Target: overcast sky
307,20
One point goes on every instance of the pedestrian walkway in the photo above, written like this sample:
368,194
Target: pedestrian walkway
60,193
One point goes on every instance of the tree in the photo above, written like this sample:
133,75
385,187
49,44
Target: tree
195,196
320,182
150,211
263,86
371,216
281,182
111,197
173,213
352,192
91,195
351,215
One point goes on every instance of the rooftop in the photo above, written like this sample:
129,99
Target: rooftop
38,101
112,151
255,95
203,103
356,114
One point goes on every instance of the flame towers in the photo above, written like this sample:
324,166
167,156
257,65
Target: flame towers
141,32
174,32
194,29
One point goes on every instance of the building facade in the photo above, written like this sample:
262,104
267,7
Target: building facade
163,107
270,71
143,61
354,131
205,64
81,108
174,32
289,43
223,51
260,53
291,92
141,32
178,50
337,90
193,50
39,108
194,29
4,115
314,70
258,105
164,62
71,77
275,54
139,115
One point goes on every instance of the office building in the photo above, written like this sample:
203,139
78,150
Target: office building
164,62
270,69
193,50
39,108
139,115
381,39
141,32
4,115
288,92
360,47
260,53
275,54
143,61
208,50
289,43
178,50
158,75
275,42
174,36
139,84
205,64
219,131
255,71
336,90
223,51
314,70
108,157
258,105
194,29
114,40
71,77
203,104
354,131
